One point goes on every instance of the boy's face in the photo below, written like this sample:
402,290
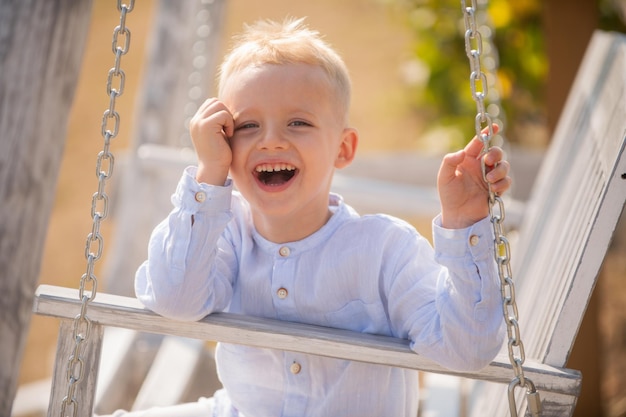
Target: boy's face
289,137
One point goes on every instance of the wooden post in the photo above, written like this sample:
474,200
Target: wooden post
179,76
86,387
568,27
41,47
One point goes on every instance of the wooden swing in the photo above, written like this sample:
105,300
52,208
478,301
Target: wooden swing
567,227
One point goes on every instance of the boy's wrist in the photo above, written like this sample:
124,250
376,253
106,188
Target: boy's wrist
461,219
213,176
456,222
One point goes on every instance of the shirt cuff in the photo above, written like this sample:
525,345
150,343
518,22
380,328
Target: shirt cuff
477,239
196,197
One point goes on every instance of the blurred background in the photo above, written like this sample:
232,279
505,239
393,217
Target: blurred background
411,96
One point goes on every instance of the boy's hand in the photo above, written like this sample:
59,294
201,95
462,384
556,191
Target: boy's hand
211,128
462,191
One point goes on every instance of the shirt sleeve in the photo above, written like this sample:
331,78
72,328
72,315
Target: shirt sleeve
449,302
183,277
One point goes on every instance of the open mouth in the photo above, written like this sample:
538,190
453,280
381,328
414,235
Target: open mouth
275,174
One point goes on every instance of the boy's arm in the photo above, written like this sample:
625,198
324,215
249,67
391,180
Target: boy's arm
183,277
447,303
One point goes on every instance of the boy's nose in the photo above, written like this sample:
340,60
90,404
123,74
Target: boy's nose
272,138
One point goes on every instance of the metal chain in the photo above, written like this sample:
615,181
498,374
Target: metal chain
484,127
99,211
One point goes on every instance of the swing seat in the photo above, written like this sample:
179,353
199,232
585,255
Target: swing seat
564,235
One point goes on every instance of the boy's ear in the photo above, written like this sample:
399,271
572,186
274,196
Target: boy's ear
347,147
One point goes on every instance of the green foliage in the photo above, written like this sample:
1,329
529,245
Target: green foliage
442,93
612,15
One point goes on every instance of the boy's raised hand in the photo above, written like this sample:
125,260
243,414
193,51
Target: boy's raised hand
211,128
462,191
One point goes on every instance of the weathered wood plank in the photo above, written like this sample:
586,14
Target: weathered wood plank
111,310
85,390
575,206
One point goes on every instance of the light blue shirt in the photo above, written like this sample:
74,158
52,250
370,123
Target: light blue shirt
373,274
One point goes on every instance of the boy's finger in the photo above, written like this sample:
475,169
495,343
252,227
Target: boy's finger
206,104
450,163
501,186
498,172
475,146
229,126
494,156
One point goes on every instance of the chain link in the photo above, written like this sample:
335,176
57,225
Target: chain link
484,127
99,211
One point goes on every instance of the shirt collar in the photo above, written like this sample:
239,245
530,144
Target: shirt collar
341,212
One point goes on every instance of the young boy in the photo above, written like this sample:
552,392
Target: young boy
284,247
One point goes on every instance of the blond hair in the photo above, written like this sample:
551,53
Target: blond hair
290,42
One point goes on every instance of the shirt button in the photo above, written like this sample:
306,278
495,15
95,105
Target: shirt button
200,196
282,293
473,240
295,368
284,251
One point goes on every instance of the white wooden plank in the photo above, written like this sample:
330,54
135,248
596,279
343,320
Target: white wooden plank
576,204
611,164
110,310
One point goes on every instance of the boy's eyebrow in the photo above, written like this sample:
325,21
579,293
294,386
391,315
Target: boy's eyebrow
245,112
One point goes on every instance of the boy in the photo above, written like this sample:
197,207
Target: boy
284,247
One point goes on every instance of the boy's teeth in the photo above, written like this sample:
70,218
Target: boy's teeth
274,167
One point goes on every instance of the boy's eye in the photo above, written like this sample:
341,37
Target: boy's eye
299,123
249,125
